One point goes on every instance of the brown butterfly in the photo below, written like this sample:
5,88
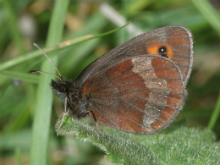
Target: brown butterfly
137,87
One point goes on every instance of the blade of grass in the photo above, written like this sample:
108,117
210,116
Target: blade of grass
38,53
118,19
16,36
134,7
209,13
19,75
75,61
55,47
18,156
41,124
75,55
215,114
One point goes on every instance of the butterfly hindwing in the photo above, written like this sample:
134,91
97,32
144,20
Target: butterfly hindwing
139,94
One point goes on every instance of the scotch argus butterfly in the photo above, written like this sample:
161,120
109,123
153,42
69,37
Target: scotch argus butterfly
137,87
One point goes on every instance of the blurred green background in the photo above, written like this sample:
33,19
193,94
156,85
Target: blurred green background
24,22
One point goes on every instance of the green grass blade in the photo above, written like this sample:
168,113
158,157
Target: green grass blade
56,47
18,156
19,75
215,114
209,13
12,24
41,124
38,53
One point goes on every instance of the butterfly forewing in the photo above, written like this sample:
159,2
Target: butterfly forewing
139,94
175,42
178,43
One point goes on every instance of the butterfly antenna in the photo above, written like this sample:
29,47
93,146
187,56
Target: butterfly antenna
60,77
38,71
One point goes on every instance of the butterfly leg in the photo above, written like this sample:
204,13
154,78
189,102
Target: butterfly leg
95,124
84,113
65,112
91,114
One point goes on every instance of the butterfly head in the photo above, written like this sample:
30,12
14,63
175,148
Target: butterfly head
67,90
62,88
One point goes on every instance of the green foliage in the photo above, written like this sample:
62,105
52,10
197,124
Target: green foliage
21,99
211,15
18,156
215,114
43,110
176,145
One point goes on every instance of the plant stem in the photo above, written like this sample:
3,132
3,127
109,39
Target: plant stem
215,114
41,124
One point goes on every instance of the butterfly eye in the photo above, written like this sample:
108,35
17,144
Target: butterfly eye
162,51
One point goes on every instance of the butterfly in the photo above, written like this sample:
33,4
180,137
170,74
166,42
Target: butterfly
137,87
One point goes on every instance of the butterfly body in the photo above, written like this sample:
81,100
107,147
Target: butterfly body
139,86
75,103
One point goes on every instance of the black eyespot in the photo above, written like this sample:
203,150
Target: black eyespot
162,51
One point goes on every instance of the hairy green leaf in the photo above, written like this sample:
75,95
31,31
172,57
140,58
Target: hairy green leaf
177,144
